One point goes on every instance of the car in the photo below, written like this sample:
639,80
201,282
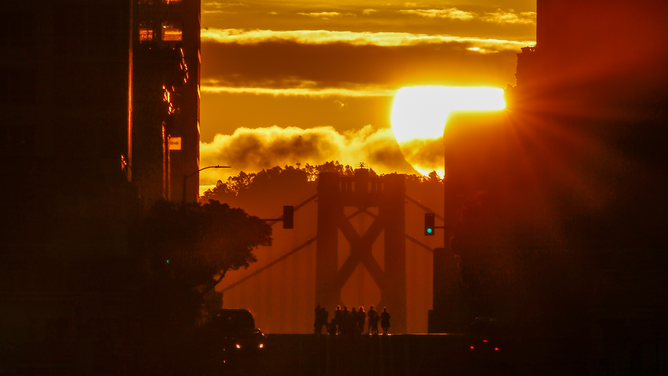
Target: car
485,336
236,340
490,349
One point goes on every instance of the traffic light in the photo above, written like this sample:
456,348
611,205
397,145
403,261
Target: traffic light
288,216
429,224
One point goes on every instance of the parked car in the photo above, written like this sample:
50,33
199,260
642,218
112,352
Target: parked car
489,346
487,336
235,339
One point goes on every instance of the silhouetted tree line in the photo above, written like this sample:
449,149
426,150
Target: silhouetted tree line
291,177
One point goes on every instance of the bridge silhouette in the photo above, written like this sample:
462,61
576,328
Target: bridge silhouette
364,193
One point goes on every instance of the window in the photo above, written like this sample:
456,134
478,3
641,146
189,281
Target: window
146,31
171,31
170,1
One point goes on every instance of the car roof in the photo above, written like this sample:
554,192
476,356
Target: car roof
238,318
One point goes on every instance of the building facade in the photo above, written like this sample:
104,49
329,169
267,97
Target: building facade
165,111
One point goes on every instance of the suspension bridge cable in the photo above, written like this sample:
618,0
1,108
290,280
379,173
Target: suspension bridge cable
425,208
271,223
414,240
308,242
269,265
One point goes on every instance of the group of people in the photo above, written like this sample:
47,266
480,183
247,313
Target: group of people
350,322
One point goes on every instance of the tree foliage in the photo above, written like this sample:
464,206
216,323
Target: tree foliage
197,244
277,177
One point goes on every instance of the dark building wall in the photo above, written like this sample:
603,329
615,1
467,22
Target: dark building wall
594,91
599,52
69,199
65,77
65,84
66,203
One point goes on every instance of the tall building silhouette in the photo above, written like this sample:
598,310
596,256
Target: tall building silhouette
166,47
594,55
90,97
593,91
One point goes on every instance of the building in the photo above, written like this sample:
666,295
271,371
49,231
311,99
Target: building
594,90
592,56
165,111
84,137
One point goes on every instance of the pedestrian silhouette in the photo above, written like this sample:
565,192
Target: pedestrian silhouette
321,316
344,326
361,318
331,327
336,321
325,317
373,320
385,320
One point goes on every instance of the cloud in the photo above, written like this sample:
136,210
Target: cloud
451,13
300,92
326,15
501,17
252,150
275,67
218,5
425,155
463,19
382,39
217,11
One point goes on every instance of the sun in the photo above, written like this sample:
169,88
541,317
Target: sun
419,115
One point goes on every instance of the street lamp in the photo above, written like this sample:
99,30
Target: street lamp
185,177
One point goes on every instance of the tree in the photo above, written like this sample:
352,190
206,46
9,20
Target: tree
269,181
197,244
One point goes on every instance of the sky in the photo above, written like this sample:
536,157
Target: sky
287,82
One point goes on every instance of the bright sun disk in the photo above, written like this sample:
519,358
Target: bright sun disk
420,113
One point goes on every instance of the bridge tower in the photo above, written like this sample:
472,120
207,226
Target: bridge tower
387,193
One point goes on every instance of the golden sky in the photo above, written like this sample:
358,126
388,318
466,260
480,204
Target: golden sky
302,81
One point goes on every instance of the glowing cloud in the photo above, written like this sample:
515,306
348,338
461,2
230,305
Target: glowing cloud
501,17
383,39
262,148
451,13
301,89
323,15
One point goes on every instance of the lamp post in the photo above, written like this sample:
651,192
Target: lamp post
185,177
